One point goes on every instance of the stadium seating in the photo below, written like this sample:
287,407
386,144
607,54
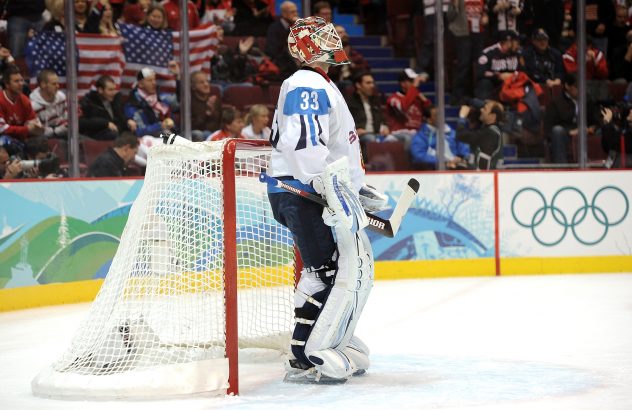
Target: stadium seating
242,95
93,148
594,152
216,90
273,91
398,14
387,156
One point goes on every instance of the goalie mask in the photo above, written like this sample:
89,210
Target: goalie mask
312,39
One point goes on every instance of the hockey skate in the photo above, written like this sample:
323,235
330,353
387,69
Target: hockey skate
299,373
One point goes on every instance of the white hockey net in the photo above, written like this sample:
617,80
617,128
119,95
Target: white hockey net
159,323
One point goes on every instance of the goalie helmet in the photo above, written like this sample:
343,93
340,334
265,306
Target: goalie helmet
312,39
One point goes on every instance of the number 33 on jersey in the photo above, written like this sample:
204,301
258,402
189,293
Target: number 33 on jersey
312,127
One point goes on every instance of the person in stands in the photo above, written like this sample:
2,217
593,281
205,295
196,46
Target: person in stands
49,104
206,109
150,110
232,124
17,117
257,123
405,107
114,161
102,116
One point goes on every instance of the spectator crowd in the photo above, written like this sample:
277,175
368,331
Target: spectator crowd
512,68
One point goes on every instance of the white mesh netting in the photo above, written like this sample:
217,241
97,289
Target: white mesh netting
157,326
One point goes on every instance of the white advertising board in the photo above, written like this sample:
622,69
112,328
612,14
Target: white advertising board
566,213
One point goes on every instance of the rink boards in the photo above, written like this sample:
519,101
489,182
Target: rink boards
57,239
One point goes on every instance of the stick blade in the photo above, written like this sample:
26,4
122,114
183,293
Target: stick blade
409,192
414,184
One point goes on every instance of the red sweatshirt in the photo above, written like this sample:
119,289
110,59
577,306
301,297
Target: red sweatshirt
405,110
14,114
595,70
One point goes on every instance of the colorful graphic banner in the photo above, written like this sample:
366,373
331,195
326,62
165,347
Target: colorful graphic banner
61,231
65,231
451,218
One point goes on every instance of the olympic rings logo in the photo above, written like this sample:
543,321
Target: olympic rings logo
569,210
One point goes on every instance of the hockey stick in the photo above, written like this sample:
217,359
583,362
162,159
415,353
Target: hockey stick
386,227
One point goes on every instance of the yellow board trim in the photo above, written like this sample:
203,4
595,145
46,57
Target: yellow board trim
578,264
50,294
85,291
450,268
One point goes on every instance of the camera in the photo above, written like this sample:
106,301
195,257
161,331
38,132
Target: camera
620,111
45,166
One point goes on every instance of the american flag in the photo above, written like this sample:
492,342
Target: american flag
145,47
123,57
203,43
96,55
47,50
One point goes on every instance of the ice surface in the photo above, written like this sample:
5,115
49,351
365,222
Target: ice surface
523,342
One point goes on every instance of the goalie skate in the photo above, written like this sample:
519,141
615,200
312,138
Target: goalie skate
297,373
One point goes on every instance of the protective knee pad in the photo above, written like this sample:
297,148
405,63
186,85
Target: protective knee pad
334,327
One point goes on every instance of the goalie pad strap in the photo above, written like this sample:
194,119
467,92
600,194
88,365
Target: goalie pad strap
295,342
308,298
305,321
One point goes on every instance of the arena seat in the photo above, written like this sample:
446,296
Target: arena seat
387,156
593,147
273,91
398,14
242,95
59,147
617,90
216,90
93,148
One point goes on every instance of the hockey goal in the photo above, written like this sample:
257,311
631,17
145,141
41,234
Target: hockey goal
202,268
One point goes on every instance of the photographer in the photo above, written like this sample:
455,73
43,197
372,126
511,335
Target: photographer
9,168
39,162
611,132
486,142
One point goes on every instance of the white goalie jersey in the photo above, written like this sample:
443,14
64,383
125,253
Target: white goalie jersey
312,127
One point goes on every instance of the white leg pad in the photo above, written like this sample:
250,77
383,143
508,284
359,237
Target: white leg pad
358,353
334,328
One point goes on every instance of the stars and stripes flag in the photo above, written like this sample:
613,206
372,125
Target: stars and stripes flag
203,42
145,47
96,55
47,50
122,57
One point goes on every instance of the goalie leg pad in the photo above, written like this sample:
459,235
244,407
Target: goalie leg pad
358,354
334,327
